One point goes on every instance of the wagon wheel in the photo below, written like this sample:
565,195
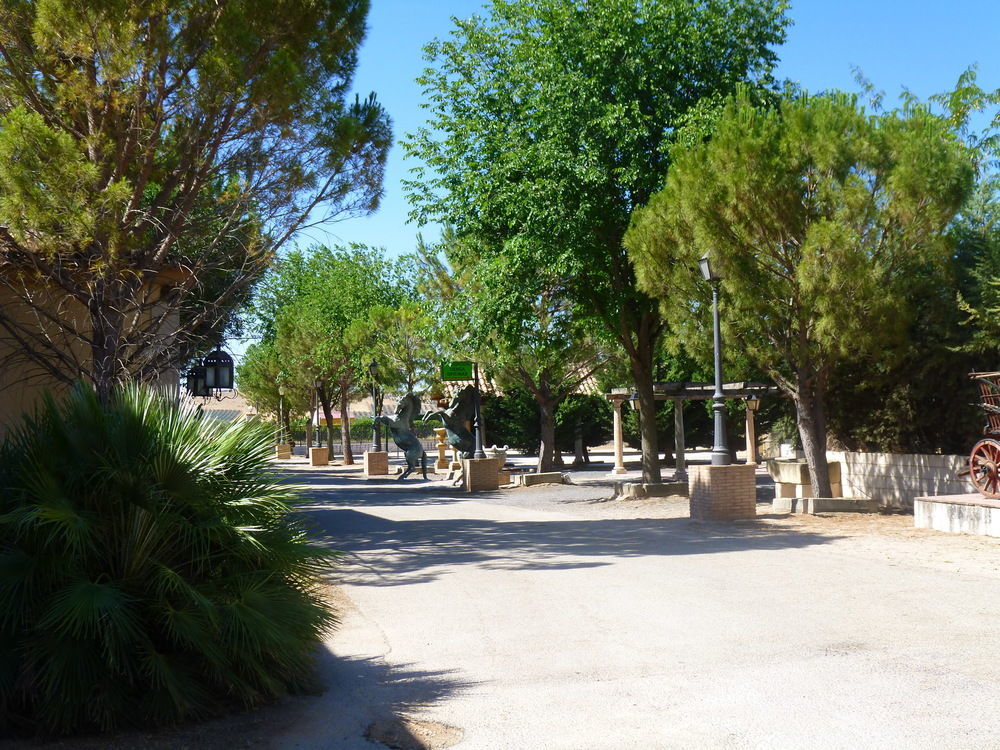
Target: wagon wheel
984,467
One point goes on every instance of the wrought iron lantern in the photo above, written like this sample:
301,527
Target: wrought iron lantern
196,385
218,371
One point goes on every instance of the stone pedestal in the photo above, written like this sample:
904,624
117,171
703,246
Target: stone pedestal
319,456
442,463
722,493
376,463
791,478
283,451
481,474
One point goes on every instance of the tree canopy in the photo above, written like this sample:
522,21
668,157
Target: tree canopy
816,215
550,121
153,157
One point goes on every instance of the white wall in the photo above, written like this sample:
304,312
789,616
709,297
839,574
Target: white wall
896,478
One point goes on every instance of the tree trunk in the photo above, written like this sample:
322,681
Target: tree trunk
104,349
811,421
325,401
647,423
546,451
578,455
309,432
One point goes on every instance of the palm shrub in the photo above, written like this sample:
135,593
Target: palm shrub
150,569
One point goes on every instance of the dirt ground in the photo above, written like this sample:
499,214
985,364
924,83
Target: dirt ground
889,536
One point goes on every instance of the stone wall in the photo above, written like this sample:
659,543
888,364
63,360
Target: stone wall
894,479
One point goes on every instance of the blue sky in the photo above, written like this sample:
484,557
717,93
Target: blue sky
922,45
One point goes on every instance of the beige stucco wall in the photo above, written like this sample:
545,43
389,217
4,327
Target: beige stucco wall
23,381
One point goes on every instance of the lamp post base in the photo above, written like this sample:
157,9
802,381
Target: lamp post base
721,457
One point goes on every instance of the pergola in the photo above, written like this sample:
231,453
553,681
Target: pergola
679,393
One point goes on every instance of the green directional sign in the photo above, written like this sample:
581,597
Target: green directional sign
456,371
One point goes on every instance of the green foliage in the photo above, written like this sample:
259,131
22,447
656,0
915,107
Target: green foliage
550,121
818,216
584,414
150,568
512,420
182,143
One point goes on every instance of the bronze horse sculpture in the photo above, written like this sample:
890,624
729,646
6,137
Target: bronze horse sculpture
401,428
456,419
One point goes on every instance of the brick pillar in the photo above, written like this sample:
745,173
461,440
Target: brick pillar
376,463
481,474
722,493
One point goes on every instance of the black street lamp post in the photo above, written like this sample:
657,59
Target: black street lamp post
478,426
281,413
376,432
720,451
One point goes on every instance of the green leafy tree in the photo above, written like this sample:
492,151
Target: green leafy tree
817,215
404,341
521,330
308,305
550,121
261,373
153,158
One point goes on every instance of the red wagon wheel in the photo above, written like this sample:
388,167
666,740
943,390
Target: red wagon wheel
984,467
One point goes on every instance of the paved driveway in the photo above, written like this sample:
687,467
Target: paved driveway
548,619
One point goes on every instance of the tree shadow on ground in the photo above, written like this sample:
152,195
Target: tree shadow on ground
381,552
358,693
381,491
355,692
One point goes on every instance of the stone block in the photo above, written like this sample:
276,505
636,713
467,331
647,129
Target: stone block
503,477
283,452
376,463
637,490
545,477
722,493
815,505
794,471
958,514
481,474
319,456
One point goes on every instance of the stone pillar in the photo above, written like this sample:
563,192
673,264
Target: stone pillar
376,463
442,463
319,456
722,493
752,456
680,467
283,451
616,404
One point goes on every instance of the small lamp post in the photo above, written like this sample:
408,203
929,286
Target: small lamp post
720,451
753,403
281,413
376,433
478,426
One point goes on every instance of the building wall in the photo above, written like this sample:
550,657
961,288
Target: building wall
23,381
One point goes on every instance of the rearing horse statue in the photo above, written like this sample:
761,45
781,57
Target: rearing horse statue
401,428
455,418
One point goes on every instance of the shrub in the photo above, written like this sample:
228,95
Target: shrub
589,414
150,569
512,419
